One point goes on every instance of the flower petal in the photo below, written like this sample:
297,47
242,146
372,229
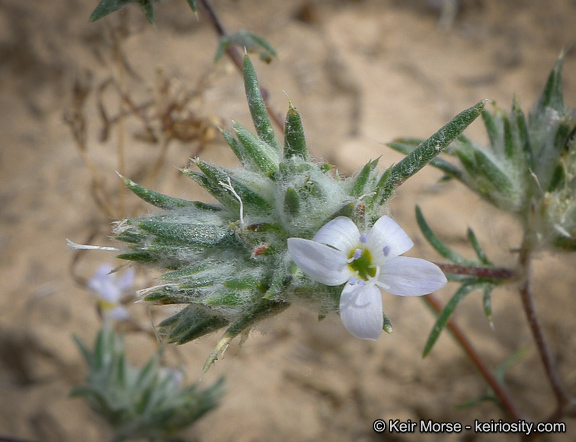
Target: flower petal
340,233
104,284
126,281
411,276
119,313
387,240
361,310
321,263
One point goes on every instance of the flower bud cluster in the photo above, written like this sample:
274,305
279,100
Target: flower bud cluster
530,168
229,263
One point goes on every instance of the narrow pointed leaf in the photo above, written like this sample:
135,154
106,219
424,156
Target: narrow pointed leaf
487,303
214,177
387,325
236,147
193,5
225,298
294,138
280,279
405,146
250,42
260,311
207,235
428,150
523,134
445,315
106,7
148,9
86,354
509,141
495,177
552,95
257,106
163,201
189,271
478,248
191,323
291,202
258,155
493,127
435,242
362,181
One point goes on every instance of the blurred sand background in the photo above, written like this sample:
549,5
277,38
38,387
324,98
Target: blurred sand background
361,73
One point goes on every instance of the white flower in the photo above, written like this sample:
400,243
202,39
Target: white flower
339,254
110,287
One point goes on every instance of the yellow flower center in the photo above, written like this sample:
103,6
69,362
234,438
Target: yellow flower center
360,262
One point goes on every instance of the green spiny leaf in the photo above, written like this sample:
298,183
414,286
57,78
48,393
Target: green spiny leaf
250,42
215,178
551,96
207,235
163,201
191,323
493,124
435,242
139,256
250,196
86,354
487,303
496,178
509,141
258,155
294,138
523,134
291,202
428,150
259,311
477,248
189,271
257,107
280,279
362,181
406,146
445,315
192,4
106,7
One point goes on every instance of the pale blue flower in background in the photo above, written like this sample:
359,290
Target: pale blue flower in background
339,254
110,287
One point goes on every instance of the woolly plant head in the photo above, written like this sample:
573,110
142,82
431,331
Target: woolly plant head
228,263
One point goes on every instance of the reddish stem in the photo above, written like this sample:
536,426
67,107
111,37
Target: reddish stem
481,272
563,400
498,389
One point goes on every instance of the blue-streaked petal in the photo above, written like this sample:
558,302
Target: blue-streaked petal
340,233
361,311
411,276
321,263
387,240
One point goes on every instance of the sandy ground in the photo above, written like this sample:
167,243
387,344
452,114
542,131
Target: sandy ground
361,73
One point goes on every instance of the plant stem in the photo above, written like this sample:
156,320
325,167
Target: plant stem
459,335
481,272
562,399
236,58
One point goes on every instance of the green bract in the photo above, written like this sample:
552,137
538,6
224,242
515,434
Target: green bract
530,166
228,263
106,7
147,402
